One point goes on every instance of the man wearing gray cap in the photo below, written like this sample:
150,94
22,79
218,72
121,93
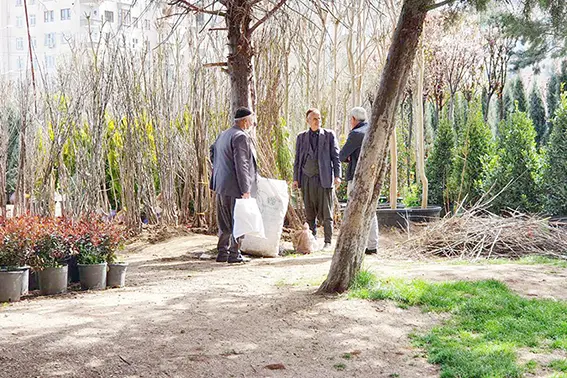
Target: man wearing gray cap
350,153
234,176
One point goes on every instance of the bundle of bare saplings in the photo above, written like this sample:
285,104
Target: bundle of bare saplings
477,233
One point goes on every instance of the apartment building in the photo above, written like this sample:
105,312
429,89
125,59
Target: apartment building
56,27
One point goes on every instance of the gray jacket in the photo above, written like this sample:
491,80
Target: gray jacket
328,154
234,163
351,150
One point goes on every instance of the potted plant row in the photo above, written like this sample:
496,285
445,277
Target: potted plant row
96,247
48,245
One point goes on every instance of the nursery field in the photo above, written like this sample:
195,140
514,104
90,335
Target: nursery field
181,315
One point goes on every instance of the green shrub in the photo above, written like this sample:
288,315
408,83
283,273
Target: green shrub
537,114
519,93
514,174
474,149
439,164
555,171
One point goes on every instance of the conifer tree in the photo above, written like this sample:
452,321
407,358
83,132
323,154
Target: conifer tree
515,169
555,172
474,149
537,114
439,164
519,96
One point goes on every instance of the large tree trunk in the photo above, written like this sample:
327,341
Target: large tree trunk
240,54
369,175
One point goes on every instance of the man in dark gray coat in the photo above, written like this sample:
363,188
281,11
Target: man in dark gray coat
350,153
234,176
316,169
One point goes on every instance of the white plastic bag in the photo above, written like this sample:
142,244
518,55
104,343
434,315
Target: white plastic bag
247,219
272,199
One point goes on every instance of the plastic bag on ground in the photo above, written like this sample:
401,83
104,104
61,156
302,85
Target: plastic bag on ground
247,219
303,240
273,199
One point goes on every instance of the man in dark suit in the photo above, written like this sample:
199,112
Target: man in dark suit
234,176
350,153
316,169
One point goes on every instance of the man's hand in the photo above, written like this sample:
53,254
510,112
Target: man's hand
295,185
337,182
246,195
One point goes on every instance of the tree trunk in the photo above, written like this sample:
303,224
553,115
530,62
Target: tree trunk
409,144
240,54
394,170
20,205
369,175
501,110
488,98
4,135
334,115
419,130
452,108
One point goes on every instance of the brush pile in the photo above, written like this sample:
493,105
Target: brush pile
479,234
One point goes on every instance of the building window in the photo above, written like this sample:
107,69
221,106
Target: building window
19,44
50,40
48,16
32,19
49,61
18,3
34,42
109,16
125,17
134,43
65,14
19,22
20,63
147,24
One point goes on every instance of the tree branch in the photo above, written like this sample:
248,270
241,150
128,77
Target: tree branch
266,16
439,5
193,8
218,64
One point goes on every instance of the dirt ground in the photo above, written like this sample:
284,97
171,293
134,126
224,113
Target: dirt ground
181,316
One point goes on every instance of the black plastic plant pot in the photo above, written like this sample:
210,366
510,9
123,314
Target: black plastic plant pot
419,215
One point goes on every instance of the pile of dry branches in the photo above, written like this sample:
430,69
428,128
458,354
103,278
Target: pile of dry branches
478,234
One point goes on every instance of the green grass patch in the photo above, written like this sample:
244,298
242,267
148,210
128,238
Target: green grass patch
559,365
489,323
340,366
526,260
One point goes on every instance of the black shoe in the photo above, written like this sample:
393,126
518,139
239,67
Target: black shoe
237,260
371,251
326,246
222,257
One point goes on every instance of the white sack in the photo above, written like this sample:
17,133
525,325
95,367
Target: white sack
273,199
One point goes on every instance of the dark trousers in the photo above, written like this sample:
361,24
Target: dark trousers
225,217
318,203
